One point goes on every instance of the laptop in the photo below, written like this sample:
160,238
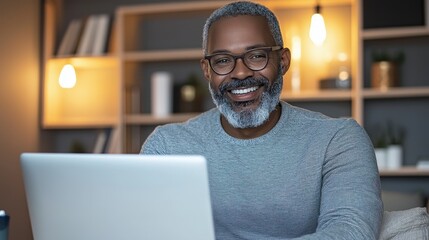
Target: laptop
117,196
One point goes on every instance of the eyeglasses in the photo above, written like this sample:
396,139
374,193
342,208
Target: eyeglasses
254,59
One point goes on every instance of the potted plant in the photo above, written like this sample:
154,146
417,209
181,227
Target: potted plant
394,148
379,139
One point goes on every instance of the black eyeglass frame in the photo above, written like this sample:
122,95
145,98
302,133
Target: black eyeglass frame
268,50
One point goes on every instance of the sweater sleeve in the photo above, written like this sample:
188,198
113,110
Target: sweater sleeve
154,144
351,206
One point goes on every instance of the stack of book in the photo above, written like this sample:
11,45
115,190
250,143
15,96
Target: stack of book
107,141
86,37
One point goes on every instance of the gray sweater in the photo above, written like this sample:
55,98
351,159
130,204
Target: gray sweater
311,176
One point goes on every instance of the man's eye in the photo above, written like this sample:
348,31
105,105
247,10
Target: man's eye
222,61
257,56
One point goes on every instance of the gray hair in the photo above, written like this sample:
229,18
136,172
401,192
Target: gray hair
243,8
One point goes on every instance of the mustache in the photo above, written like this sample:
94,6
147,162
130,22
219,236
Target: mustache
242,83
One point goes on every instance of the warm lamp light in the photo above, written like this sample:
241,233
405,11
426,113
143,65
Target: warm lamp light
67,77
317,27
296,57
296,48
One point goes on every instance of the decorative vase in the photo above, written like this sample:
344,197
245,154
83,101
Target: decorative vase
161,94
384,74
394,156
381,157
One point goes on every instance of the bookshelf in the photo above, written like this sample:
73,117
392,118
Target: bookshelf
142,49
402,106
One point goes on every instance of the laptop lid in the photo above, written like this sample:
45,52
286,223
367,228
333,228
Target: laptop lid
117,196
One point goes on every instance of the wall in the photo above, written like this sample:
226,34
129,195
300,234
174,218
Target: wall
19,104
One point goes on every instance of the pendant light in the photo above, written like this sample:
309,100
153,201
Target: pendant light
317,27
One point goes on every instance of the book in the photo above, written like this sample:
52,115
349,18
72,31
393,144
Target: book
87,40
70,38
65,40
111,40
113,145
101,34
75,36
101,142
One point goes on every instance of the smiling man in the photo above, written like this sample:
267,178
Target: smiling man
275,171
245,69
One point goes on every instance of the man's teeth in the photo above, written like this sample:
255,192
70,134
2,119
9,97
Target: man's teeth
244,90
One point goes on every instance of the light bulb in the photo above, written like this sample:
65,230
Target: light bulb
317,28
67,76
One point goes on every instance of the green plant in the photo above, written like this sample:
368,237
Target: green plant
378,136
395,134
380,141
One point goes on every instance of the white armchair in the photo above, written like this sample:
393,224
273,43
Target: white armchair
411,224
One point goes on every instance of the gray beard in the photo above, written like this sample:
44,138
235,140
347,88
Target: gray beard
248,118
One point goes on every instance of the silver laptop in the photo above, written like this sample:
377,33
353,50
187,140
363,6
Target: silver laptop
115,196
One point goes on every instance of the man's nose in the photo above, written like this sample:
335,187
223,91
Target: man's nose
241,71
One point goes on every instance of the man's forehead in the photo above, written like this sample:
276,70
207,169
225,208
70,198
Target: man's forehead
238,32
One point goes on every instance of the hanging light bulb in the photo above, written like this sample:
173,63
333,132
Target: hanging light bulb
67,77
317,27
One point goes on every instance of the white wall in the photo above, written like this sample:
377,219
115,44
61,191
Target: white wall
19,104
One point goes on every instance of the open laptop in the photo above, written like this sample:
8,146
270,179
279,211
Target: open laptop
117,196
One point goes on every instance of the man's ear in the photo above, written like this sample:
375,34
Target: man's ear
285,60
206,68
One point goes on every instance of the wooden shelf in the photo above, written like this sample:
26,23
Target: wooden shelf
92,103
148,9
395,32
317,95
149,119
302,3
81,124
210,5
403,92
164,55
405,172
90,62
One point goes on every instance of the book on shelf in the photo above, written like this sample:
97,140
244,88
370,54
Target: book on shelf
88,36
71,37
101,34
94,35
113,145
101,142
111,45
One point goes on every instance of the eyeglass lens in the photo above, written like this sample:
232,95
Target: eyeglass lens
255,60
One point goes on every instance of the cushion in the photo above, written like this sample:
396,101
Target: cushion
405,225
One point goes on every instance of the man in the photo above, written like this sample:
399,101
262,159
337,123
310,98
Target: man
275,171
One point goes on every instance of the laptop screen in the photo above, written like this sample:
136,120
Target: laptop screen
120,196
